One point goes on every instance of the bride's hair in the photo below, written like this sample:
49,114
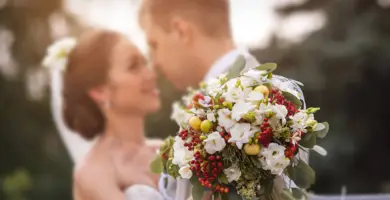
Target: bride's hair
88,67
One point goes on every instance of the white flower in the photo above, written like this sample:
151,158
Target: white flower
211,116
219,129
296,137
235,92
281,112
57,53
181,155
240,109
274,151
185,172
255,96
256,75
273,158
266,108
224,119
214,143
232,173
277,166
302,120
213,86
179,115
258,118
241,132
198,112
205,102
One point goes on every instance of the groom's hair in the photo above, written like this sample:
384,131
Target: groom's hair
211,16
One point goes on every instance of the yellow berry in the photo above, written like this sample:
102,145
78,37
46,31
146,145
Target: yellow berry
252,149
195,123
262,89
205,126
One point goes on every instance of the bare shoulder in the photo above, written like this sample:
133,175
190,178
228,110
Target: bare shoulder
92,169
87,173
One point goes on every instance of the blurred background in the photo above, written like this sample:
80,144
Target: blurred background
340,50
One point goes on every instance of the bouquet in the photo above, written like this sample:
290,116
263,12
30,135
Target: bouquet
238,133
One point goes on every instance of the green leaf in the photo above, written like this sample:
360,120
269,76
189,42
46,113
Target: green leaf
172,169
322,133
299,193
237,67
312,110
295,100
197,192
222,178
167,144
197,189
270,67
302,174
308,140
287,195
232,195
268,186
157,165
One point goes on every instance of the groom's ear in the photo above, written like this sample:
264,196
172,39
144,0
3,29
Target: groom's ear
181,29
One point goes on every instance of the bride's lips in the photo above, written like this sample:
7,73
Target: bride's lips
151,89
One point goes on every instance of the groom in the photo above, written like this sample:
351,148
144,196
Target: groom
189,41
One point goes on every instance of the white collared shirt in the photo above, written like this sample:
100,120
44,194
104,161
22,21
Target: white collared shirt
223,64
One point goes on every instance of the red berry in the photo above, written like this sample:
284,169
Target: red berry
218,157
220,164
212,158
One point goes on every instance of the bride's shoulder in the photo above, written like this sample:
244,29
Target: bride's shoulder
92,168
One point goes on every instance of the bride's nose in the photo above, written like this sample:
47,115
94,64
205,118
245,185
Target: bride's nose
150,74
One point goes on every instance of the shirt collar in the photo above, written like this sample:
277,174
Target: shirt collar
222,64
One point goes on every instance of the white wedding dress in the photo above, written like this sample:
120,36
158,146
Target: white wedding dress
144,192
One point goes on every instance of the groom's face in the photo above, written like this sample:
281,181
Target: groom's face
169,53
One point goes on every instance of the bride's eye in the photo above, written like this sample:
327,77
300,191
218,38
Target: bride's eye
135,65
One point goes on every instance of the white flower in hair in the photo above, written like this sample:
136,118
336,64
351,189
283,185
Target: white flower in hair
57,53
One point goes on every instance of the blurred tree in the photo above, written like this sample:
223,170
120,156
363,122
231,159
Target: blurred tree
346,72
28,138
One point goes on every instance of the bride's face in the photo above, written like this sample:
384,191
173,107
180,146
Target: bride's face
131,84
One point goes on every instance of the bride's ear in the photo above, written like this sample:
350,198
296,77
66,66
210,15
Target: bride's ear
98,94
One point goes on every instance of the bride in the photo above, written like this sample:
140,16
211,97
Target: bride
107,92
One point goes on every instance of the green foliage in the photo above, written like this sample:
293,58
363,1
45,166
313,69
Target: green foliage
302,174
197,189
295,100
157,166
17,184
322,133
269,67
308,140
236,68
